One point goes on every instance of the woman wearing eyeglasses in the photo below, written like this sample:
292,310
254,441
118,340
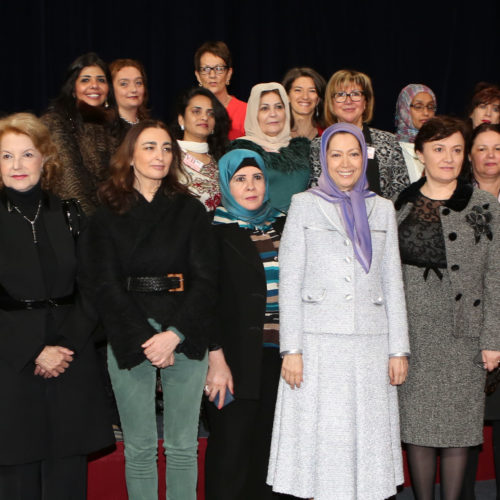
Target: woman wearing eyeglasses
415,105
349,98
213,70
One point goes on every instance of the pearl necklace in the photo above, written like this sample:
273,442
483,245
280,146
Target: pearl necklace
32,222
129,122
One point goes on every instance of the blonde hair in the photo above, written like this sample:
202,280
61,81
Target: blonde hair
339,81
29,125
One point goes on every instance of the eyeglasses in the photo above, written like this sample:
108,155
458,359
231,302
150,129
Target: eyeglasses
420,107
355,96
205,70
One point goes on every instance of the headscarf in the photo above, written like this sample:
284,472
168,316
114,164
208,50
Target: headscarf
352,203
259,218
252,128
405,130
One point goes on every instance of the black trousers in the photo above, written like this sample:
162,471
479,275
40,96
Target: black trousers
240,439
54,479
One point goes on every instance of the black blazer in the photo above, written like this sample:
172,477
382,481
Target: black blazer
44,418
169,235
242,306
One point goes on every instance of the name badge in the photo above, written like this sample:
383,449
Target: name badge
192,162
371,152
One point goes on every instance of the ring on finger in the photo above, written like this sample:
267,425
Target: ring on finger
207,389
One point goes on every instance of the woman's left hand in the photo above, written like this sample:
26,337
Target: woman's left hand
219,377
398,369
160,347
491,359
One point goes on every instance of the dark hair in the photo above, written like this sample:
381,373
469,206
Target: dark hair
219,49
217,141
117,65
319,84
437,128
484,93
484,127
65,103
118,192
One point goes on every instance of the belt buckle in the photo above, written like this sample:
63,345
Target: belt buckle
181,282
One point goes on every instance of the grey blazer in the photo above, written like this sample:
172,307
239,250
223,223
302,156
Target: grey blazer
473,259
324,289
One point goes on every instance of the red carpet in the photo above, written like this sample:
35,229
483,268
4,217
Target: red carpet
107,473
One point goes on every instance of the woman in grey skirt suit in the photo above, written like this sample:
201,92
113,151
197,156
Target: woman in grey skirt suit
448,237
343,335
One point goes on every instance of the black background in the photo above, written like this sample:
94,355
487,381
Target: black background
447,45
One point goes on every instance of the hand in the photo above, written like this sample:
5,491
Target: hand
490,359
53,361
292,370
219,377
398,369
159,349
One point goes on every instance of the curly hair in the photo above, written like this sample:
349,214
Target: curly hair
29,125
217,141
118,192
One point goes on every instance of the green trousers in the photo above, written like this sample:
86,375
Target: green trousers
135,396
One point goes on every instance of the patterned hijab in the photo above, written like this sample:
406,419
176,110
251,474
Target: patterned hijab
229,164
405,130
252,128
352,202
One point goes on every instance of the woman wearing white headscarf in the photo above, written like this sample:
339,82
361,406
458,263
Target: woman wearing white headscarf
267,126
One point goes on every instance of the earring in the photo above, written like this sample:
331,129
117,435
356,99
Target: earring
213,131
106,104
199,84
317,111
182,127
228,82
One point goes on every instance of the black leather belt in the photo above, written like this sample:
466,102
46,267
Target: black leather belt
168,283
8,303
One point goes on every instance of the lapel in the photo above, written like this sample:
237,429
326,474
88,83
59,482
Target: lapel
239,242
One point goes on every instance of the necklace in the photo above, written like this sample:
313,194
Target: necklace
32,222
129,122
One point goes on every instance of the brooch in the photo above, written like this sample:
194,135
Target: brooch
480,220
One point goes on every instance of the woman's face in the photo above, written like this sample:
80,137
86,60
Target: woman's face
91,86
20,162
152,156
248,187
485,155
443,158
198,120
303,96
486,113
209,77
271,116
344,160
419,109
128,85
349,111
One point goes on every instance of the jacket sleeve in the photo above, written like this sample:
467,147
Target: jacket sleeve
292,260
398,178
393,288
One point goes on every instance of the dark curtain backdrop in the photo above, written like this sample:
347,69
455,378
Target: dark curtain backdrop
446,45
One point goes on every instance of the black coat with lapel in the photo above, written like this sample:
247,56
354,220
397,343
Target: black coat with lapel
42,418
242,306
171,234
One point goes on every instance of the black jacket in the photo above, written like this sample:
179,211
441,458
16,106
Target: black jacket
45,418
169,235
242,306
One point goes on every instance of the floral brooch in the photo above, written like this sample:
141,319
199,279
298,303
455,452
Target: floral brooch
479,218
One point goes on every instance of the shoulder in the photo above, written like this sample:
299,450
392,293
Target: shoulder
236,105
301,200
299,144
246,144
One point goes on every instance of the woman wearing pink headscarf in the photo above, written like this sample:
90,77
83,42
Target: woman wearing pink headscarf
416,104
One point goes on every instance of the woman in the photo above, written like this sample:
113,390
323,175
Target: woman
343,335
201,132
485,105
130,89
349,98
484,157
448,238
54,405
84,126
150,261
415,105
248,234
267,126
213,68
306,91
